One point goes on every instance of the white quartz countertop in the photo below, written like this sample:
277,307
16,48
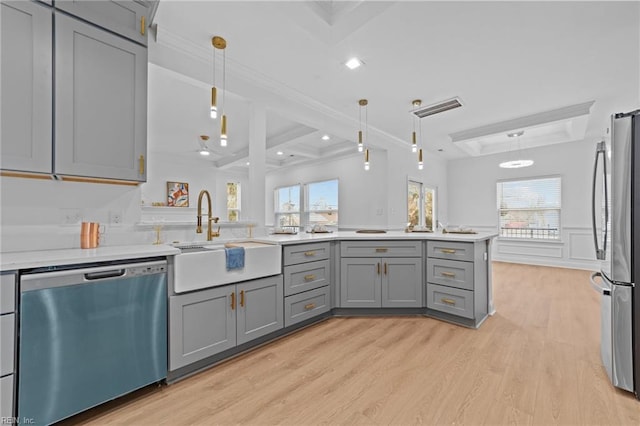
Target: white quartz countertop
35,259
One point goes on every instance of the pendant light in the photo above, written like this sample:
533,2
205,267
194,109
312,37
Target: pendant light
414,142
219,43
363,105
420,162
516,164
204,149
366,159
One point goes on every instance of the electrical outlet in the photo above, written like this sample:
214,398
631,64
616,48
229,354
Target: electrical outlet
71,216
115,217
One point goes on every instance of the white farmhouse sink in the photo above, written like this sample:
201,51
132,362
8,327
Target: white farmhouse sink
205,266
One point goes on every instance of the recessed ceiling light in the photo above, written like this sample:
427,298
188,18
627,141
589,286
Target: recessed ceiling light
353,63
248,163
204,152
325,137
279,153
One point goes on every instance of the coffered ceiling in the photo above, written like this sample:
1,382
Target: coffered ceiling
506,60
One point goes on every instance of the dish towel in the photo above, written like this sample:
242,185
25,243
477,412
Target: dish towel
235,258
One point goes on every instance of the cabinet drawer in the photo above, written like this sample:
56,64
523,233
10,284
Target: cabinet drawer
302,306
381,249
306,276
450,273
7,333
6,397
450,300
7,293
302,253
450,250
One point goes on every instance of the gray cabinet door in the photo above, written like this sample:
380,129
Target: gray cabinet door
26,77
402,283
260,307
127,18
100,103
6,397
201,324
7,344
360,283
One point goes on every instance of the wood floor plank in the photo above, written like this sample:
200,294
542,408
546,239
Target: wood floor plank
536,361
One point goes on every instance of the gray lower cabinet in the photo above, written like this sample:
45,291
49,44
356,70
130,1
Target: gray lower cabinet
207,322
100,103
26,71
306,305
127,18
7,343
381,282
457,281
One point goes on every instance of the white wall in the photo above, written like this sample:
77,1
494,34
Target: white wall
374,198
472,202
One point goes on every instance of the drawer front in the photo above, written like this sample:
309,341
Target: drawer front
7,293
302,306
450,300
450,250
302,253
381,248
306,276
450,273
6,397
7,333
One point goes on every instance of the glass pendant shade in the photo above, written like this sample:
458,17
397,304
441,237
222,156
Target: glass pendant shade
516,164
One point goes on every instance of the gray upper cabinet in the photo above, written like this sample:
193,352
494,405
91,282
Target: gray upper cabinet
26,79
100,104
127,18
260,308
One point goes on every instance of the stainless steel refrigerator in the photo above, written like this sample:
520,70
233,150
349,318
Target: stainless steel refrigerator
616,202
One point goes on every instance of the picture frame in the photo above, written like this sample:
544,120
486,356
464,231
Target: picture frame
177,194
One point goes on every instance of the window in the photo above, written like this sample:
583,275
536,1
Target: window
319,201
287,206
530,209
233,201
421,204
322,203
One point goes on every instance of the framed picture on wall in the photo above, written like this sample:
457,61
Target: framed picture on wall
177,194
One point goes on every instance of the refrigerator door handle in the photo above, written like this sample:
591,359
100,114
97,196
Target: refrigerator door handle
602,289
600,252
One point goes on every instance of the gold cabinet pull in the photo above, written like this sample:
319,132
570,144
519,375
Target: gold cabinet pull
242,298
309,277
381,250
448,301
310,253
143,22
448,251
309,306
233,300
448,274
378,267
385,268
142,164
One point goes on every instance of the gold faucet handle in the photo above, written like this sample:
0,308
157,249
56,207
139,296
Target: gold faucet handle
215,220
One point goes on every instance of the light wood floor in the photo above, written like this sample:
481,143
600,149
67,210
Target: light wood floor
535,362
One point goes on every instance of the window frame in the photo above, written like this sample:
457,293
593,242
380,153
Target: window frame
499,210
303,212
422,218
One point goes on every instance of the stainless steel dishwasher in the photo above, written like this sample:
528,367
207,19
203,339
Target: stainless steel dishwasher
89,335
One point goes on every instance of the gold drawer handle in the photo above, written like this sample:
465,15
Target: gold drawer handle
381,250
143,23
448,274
448,301
310,253
309,306
448,251
141,161
242,298
309,277
233,301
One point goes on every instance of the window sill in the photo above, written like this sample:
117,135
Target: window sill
529,240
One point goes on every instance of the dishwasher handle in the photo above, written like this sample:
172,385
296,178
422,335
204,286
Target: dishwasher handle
91,276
